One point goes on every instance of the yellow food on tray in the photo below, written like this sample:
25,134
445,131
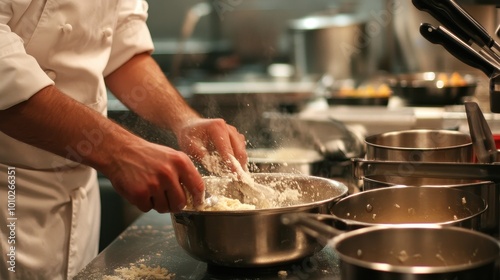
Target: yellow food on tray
382,90
454,80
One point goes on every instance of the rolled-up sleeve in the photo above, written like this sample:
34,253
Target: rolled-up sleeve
21,75
131,35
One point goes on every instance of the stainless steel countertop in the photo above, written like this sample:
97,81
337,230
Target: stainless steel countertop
150,240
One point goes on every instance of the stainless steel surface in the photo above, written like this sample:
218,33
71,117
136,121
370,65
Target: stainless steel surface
410,205
420,145
482,138
252,238
150,241
407,251
487,190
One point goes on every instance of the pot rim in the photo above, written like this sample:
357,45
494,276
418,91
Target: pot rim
443,223
335,241
369,140
386,184
317,22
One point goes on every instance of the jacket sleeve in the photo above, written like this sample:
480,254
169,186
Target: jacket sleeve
20,74
131,35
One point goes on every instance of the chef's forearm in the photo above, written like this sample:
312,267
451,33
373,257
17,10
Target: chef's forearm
143,88
52,121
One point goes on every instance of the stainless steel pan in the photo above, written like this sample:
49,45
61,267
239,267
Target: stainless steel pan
250,238
487,190
405,251
410,205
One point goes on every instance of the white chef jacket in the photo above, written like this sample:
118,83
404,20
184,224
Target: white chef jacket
72,44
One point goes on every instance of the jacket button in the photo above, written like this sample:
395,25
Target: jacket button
67,28
51,74
107,32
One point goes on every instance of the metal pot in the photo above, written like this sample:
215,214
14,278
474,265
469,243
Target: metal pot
406,251
410,205
256,237
420,145
487,190
336,44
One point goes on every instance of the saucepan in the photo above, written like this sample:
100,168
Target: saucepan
487,190
421,145
250,238
405,251
409,205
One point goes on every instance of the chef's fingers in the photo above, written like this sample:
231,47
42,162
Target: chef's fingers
225,141
197,150
220,140
193,183
142,201
239,147
179,176
160,201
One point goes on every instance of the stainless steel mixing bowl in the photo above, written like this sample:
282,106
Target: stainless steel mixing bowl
249,238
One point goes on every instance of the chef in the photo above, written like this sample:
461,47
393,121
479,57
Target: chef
56,59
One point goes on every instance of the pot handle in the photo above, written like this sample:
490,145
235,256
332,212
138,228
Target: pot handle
312,224
181,218
466,170
339,223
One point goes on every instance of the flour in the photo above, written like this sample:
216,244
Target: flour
140,272
225,204
239,191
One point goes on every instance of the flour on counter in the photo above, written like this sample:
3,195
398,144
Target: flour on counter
140,272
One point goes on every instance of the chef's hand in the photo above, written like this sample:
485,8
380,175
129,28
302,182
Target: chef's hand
201,138
152,176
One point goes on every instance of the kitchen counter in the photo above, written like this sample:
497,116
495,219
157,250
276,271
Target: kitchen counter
150,241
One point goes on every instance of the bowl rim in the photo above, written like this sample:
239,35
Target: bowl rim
277,210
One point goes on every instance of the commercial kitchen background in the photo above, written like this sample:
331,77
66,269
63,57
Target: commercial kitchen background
234,43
